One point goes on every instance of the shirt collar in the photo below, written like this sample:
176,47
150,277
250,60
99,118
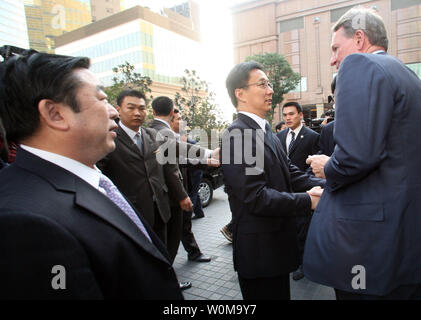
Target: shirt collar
297,130
378,52
129,131
261,122
90,175
165,122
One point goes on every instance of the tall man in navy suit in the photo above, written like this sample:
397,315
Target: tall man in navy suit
266,192
66,230
364,239
298,143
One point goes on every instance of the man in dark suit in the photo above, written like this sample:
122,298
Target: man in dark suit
134,169
364,237
298,143
261,182
163,109
66,230
297,140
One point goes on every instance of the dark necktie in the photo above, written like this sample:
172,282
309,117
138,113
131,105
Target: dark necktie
115,196
292,141
139,142
268,134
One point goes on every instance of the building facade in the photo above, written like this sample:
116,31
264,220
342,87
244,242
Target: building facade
101,9
157,46
47,19
13,24
300,30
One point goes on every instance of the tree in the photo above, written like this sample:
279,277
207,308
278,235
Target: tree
126,78
197,105
280,73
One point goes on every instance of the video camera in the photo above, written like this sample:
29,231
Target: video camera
316,124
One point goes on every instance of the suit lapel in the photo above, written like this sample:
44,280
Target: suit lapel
125,139
88,198
253,125
98,204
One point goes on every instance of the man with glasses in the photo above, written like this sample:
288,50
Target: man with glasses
261,184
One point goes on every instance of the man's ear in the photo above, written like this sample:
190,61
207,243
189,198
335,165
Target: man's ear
52,114
360,38
239,94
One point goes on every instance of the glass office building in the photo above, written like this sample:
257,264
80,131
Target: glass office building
154,50
47,19
13,24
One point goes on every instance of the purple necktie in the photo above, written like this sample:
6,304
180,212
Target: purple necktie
115,196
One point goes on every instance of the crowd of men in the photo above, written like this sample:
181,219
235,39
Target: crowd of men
87,194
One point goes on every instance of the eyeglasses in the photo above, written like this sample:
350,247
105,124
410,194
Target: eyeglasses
262,84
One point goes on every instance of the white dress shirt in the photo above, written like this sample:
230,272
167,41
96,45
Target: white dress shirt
261,122
130,132
90,175
289,136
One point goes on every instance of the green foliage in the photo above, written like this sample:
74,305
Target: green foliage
126,78
198,107
279,72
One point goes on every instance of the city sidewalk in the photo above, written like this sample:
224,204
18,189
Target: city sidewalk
216,280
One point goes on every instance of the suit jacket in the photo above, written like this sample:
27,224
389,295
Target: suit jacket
263,204
140,177
326,141
187,154
50,217
306,143
369,214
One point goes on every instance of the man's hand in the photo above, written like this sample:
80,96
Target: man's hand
186,204
211,162
183,137
315,195
317,164
215,153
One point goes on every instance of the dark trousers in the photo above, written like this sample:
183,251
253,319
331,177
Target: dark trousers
174,231
187,238
196,179
303,223
160,227
408,292
273,288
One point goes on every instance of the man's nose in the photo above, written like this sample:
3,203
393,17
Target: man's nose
112,111
333,60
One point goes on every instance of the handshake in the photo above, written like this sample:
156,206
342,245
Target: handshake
317,164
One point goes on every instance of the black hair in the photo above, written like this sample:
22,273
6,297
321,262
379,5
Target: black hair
162,106
293,104
130,93
28,78
239,77
279,125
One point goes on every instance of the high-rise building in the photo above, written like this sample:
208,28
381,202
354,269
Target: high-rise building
158,46
47,19
13,24
101,9
301,31
189,9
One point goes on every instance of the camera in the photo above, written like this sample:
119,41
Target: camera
316,124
